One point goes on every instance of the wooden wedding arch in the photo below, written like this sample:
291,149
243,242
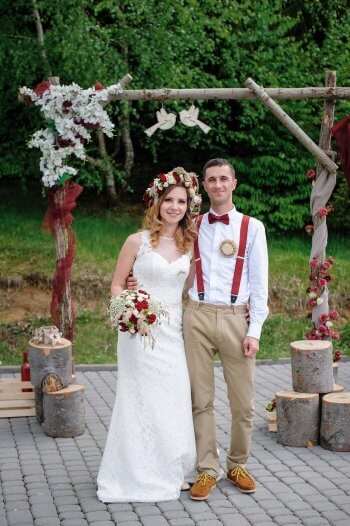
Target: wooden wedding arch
323,184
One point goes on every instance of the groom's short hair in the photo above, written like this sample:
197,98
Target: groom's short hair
218,162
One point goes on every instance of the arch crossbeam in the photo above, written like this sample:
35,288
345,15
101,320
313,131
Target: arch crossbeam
306,93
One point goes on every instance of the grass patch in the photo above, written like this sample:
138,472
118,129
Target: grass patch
25,247
288,271
100,235
95,342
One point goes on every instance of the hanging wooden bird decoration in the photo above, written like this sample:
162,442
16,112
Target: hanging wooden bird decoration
190,118
165,121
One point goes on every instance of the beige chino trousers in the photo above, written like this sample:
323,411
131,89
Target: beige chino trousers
211,329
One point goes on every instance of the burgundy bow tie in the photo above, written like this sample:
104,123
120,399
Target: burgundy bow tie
222,219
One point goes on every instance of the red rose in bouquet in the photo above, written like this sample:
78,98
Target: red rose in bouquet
151,318
134,311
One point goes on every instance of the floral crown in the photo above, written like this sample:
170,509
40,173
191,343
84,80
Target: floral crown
175,176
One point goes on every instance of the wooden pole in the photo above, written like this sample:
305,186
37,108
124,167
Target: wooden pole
322,189
233,93
328,114
61,246
288,122
125,80
325,139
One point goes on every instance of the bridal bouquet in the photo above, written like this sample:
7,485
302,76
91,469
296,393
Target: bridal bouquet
135,312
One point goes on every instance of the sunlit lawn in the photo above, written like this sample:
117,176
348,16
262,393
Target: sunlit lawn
27,250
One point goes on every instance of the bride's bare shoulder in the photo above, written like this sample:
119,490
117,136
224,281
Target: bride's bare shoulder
134,241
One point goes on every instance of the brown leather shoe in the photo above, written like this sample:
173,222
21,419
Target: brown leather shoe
240,478
202,487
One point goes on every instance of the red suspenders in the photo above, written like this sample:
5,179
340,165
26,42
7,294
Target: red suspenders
239,261
198,262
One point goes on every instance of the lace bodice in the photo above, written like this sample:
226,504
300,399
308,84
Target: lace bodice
164,280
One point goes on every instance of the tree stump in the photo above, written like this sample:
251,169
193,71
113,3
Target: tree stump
335,372
39,404
64,415
298,418
336,389
50,366
312,366
335,422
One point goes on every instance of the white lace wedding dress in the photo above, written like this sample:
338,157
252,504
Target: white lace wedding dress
150,446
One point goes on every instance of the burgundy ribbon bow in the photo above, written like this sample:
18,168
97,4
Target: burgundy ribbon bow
221,219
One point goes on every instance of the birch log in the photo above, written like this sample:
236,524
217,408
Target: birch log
50,367
336,389
312,366
64,412
305,93
61,235
298,418
288,122
61,245
321,192
335,422
39,404
328,116
335,372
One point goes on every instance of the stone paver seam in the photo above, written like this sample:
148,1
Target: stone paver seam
283,483
82,458
60,453
270,448
93,386
38,451
92,406
94,381
91,434
224,447
91,429
96,413
325,478
296,494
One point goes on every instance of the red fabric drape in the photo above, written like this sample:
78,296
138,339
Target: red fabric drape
341,133
62,202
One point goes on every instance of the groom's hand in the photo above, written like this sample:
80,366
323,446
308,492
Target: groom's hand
131,283
250,346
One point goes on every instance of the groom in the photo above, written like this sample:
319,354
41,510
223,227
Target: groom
231,268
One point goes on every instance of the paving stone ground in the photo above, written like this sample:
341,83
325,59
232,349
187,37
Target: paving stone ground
51,482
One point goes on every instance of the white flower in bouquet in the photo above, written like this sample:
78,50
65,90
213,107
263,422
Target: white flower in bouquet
135,312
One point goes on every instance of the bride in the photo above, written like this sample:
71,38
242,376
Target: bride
150,446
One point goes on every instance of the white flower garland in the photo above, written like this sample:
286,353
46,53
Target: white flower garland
71,113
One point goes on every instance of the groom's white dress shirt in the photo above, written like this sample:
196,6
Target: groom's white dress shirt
218,270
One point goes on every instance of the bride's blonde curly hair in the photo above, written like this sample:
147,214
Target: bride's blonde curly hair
186,231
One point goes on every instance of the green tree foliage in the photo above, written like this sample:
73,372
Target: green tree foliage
184,43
